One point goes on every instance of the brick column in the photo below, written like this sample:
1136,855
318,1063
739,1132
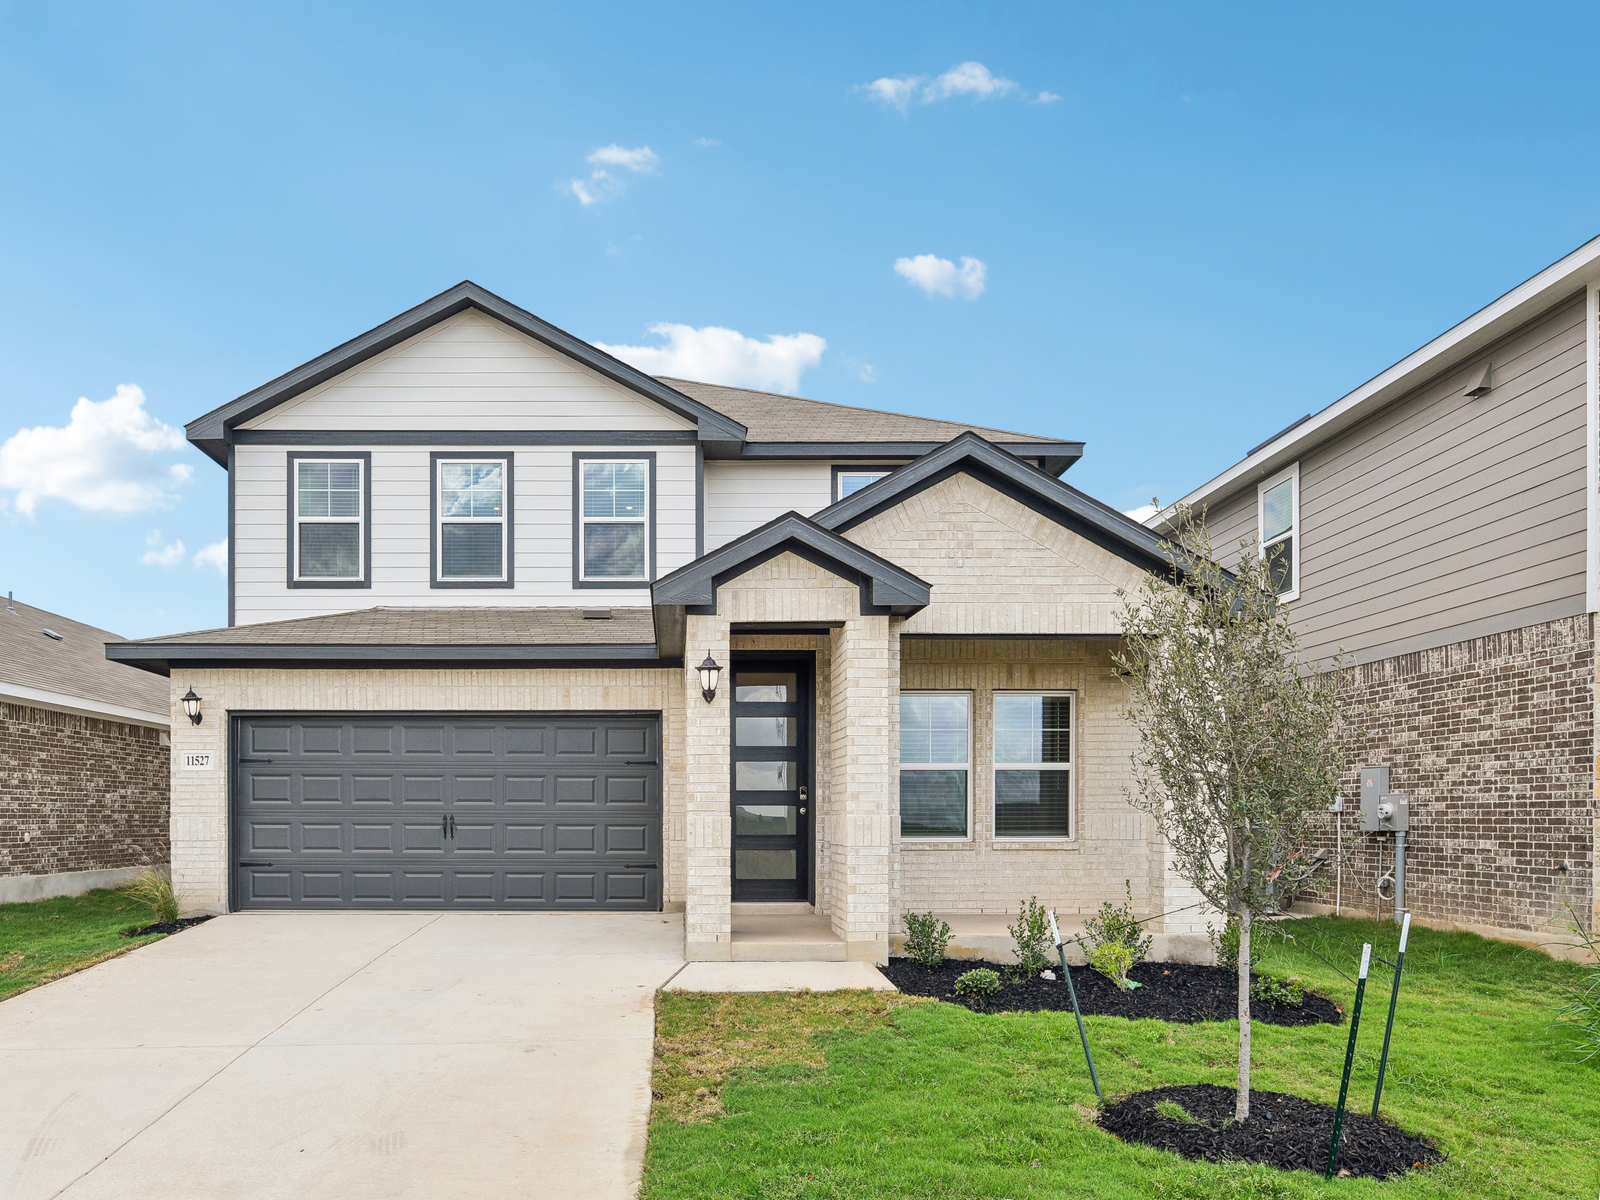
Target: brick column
708,912
865,783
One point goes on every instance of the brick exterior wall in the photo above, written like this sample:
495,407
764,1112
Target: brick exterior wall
1493,740
79,793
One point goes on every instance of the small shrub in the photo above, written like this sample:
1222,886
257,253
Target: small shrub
1576,1028
1116,923
1031,936
927,938
1288,991
978,983
1113,960
153,889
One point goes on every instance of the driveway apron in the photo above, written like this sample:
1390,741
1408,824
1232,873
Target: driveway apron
314,1055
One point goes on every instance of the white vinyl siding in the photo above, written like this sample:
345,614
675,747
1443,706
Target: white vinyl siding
740,496
470,372
401,562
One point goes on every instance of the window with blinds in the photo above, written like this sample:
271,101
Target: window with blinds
329,519
614,520
471,539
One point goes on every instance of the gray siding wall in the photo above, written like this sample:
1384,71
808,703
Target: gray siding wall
1444,517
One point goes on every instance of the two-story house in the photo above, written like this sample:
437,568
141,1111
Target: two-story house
513,625
1438,526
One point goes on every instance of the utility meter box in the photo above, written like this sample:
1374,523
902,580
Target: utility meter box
1382,811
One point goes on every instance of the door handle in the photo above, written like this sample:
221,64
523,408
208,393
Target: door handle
254,864
452,826
802,793
639,866
444,827
802,810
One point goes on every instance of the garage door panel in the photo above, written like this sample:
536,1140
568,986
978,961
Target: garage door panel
522,813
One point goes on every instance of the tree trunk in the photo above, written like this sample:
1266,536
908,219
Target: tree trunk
1241,1103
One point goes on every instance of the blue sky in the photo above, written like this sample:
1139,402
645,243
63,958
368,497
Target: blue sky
1216,219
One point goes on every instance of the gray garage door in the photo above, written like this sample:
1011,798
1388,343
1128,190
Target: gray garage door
530,812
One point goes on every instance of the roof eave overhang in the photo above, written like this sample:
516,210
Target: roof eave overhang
1555,284
211,432
885,586
1054,457
161,658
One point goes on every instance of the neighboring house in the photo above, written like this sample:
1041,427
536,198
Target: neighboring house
1438,526
83,759
476,565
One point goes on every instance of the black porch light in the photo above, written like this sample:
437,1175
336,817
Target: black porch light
709,670
191,707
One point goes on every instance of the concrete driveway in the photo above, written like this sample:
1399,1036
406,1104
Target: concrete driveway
334,1055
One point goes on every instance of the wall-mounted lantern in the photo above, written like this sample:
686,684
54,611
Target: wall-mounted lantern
709,670
191,707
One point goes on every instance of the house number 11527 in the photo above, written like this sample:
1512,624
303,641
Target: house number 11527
196,760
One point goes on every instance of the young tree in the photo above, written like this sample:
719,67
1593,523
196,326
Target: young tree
1238,743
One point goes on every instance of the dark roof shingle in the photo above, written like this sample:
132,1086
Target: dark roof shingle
76,666
435,627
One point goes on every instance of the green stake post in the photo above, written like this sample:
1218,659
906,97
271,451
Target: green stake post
1083,1036
1394,997
1349,1057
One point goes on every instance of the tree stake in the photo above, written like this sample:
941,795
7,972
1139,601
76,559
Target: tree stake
1349,1057
1394,998
1083,1036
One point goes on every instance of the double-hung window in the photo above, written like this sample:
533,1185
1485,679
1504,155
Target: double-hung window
1278,513
935,752
1033,765
612,531
472,535
849,480
329,526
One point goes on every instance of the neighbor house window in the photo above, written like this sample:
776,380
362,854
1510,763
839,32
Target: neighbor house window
472,520
935,751
613,520
328,528
1278,503
847,481
1033,765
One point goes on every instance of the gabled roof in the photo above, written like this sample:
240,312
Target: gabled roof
209,432
972,455
1553,285
781,425
885,587
34,666
410,637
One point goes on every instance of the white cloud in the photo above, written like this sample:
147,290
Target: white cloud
106,458
969,79
158,555
642,161
726,356
941,277
602,186
707,142
964,79
214,555
1143,513
868,373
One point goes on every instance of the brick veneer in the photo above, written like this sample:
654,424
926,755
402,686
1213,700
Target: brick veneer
79,793
1493,740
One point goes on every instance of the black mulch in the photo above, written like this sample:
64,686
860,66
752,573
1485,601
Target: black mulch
1283,1131
166,927
1180,992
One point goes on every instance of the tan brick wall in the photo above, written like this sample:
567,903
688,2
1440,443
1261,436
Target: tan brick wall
708,799
200,854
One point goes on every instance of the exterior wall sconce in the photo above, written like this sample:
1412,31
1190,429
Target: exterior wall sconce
191,707
709,670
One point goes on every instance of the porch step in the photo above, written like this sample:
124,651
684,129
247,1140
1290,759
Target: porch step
784,937
772,908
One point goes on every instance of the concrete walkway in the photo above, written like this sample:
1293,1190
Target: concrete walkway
330,1055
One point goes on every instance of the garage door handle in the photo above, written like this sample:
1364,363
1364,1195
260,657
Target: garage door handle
254,760
254,864
640,866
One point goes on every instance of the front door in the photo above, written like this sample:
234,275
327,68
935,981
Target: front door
771,763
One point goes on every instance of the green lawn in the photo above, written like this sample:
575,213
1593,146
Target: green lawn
50,938
854,1095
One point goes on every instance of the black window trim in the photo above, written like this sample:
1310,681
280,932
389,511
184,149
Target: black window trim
510,561
292,546
579,457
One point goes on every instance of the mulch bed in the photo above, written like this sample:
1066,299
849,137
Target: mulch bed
1179,992
166,927
1283,1131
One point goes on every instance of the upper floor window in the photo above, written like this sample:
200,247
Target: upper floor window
935,749
472,535
1033,765
613,539
1278,516
328,524
849,480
